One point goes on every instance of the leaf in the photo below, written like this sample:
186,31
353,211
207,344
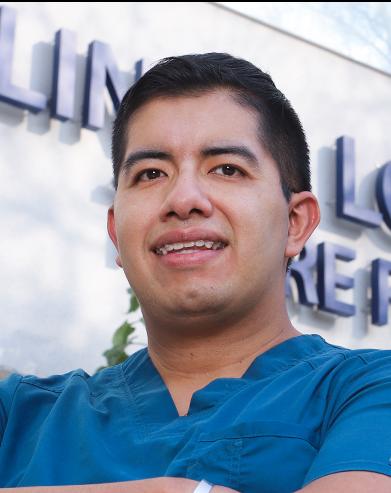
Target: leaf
120,337
122,357
134,304
114,356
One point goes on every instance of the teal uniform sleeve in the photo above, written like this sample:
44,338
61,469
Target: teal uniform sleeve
7,392
357,428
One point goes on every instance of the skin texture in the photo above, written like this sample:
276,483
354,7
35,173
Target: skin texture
154,485
249,211
346,482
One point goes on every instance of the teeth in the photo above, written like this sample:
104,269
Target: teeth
217,245
214,245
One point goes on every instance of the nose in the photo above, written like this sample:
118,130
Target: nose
186,196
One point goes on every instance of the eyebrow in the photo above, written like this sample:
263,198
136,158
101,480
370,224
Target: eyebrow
137,156
143,154
241,151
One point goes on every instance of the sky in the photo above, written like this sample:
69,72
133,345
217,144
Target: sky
359,30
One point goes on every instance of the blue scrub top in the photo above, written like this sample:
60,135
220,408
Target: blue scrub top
303,409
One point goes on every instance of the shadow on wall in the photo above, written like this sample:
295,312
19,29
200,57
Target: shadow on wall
43,266
41,75
358,296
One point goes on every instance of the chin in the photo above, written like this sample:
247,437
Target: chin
198,302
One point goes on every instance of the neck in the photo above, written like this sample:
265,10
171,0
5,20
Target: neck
225,354
189,361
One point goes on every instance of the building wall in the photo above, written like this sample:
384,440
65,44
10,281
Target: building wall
61,296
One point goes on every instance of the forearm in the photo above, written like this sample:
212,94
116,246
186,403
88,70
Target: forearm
357,481
154,485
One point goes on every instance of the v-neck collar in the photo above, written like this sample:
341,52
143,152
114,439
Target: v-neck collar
148,389
154,401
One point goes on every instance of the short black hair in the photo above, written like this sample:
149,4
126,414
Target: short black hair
190,75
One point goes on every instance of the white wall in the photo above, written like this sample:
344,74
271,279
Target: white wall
61,296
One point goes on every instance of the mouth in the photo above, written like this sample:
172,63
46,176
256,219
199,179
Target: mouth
189,247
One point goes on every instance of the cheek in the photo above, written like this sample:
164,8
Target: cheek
131,227
261,226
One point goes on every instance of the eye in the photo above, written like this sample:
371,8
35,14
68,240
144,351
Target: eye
227,170
149,175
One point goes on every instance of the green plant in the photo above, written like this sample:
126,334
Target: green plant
123,336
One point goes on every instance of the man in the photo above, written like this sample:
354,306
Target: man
213,199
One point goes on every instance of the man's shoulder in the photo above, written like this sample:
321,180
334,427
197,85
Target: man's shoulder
74,389
326,351
346,371
105,380
54,383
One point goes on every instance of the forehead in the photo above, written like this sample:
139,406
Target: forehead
187,122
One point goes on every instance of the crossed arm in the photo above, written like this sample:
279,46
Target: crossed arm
344,482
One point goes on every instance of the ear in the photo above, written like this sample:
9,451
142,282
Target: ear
304,216
112,232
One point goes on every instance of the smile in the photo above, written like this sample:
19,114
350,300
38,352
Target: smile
188,247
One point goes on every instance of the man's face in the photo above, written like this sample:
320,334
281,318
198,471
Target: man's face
196,171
